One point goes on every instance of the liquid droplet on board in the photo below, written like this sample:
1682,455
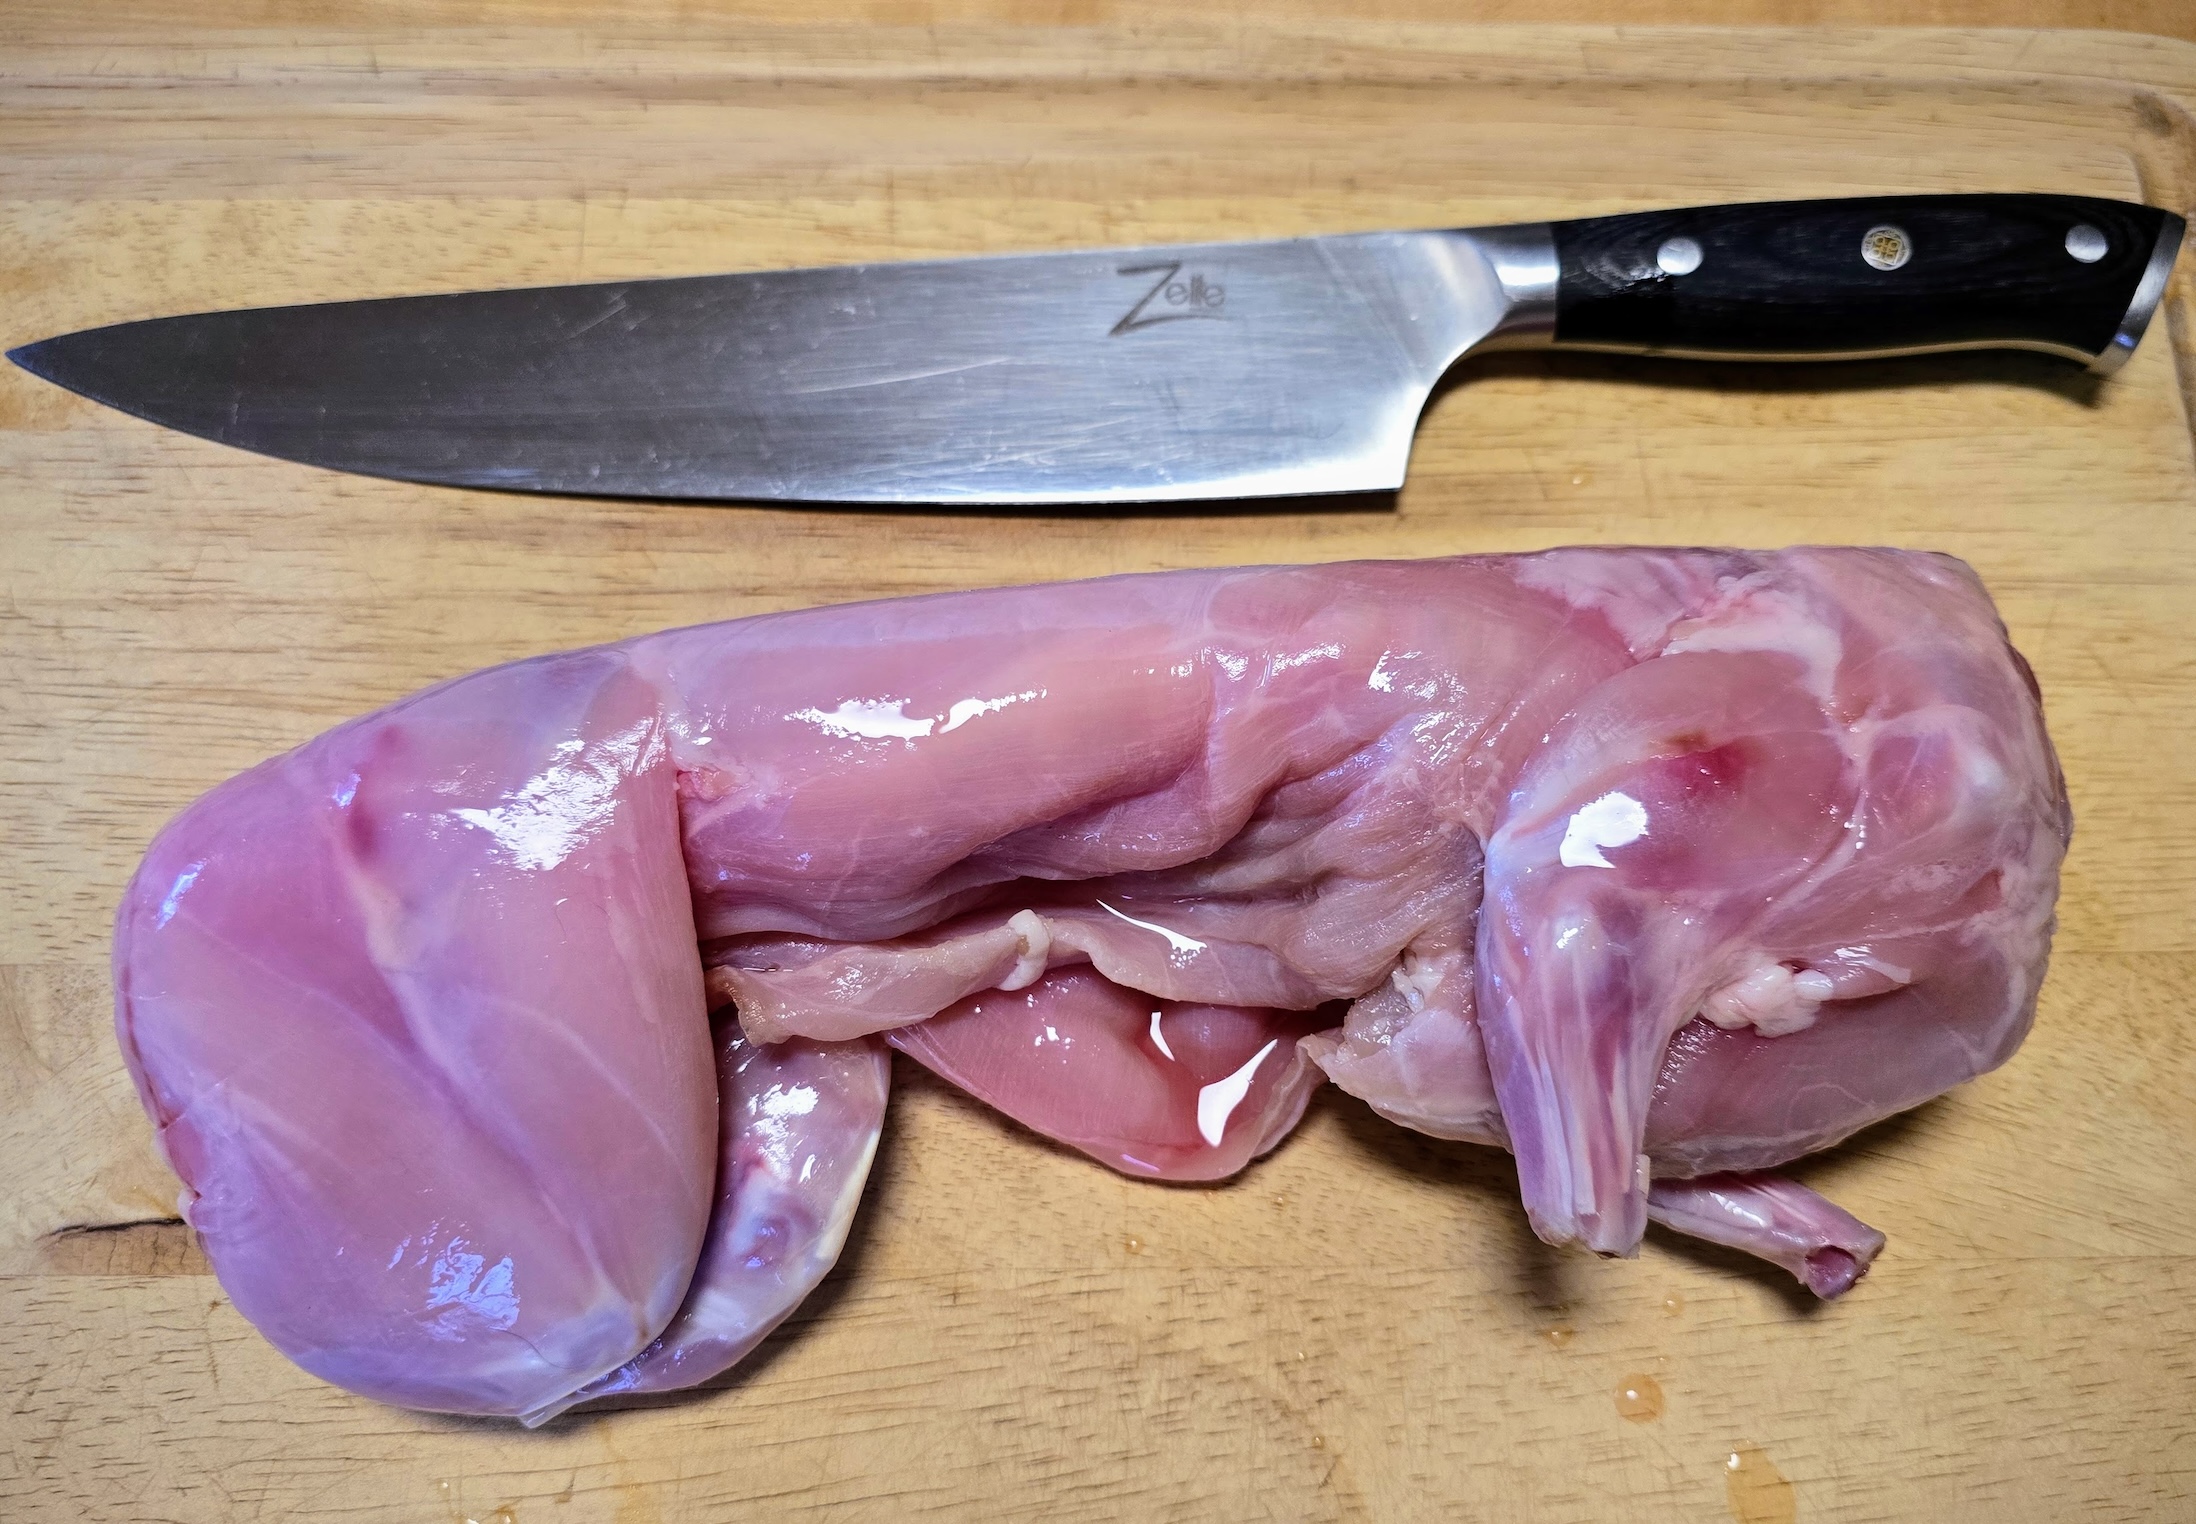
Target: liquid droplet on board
1756,1490
1319,1441
1639,1399
1559,1335
1672,1305
1133,1244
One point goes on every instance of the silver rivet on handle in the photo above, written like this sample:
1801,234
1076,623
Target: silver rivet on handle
2086,243
1678,256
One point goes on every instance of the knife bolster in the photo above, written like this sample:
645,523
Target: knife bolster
1524,261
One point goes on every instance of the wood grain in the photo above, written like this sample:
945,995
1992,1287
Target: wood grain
1362,1327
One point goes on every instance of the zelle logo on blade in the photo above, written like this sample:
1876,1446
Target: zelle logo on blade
1192,298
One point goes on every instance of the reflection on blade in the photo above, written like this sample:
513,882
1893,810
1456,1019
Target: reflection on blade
1127,375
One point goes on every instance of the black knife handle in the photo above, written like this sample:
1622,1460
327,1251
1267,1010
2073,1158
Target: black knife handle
1874,275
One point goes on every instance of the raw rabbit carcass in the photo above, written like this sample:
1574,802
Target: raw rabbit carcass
1657,868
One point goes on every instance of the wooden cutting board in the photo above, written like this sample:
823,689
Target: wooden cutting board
1362,1326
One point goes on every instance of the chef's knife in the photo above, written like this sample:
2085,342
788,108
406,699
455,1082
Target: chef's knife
1126,375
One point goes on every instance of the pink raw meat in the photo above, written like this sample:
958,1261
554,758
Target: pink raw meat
1646,864
797,1127
1823,826
416,1012
1826,1248
1158,1088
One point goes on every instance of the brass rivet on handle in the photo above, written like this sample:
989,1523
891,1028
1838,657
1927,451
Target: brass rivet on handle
1885,247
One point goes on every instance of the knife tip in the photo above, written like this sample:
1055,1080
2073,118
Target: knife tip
25,356
56,361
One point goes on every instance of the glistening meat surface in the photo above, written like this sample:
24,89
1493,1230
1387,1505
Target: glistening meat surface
1648,865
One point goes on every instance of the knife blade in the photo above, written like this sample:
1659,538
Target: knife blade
1289,367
